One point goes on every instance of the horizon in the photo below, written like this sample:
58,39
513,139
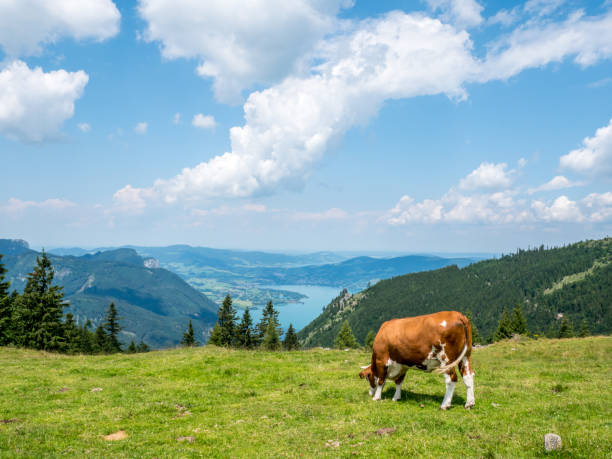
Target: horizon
437,126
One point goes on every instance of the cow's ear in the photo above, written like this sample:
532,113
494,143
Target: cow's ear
361,375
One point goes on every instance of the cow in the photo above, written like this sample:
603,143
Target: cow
434,343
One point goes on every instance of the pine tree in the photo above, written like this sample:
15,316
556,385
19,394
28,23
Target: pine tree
519,324
72,334
345,337
131,348
215,336
291,342
271,339
100,340
6,309
244,335
189,337
504,327
227,322
37,316
269,313
584,329
86,338
566,330
112,329
369,341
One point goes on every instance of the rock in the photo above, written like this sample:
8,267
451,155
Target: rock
63,389
386,431
422,406
97,389
119,435
495,405
552,442
332,444
189,439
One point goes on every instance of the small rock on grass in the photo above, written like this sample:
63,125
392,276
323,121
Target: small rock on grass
63,389
8,421
495,405
386,431
552,442
189,439
332,444
119,435
97,389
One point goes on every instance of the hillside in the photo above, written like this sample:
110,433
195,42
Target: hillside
574,281
211,402
154,304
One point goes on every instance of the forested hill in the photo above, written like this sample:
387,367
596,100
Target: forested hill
155,305
574,281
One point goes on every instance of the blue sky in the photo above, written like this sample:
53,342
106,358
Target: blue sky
415,126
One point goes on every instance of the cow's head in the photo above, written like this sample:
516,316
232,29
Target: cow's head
366,372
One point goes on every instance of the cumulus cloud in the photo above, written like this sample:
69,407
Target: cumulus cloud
561,210
204,121
35,104
141,128
462,13
598,206
487,175
84,127
239,43
558,182
594,156
25,25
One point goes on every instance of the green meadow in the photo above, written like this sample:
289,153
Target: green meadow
212,402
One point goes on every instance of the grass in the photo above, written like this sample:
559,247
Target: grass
211,402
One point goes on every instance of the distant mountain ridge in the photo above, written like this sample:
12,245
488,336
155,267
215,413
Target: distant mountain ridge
572,282
155,304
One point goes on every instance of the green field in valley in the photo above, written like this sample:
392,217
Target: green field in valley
211,402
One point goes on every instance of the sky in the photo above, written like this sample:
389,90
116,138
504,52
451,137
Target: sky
306,125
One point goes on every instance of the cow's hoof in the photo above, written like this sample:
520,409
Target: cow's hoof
444,407
469,405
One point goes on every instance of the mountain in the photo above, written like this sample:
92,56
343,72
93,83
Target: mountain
572,281
154,304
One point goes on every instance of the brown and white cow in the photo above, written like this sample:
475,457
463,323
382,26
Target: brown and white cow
434,342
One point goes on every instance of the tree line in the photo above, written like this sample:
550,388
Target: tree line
35,319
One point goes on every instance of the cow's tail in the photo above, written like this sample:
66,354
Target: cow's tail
467,327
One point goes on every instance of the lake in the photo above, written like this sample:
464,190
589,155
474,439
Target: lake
298,314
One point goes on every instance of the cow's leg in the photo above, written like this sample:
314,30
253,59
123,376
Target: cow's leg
465,366
450,380
380,373
398,388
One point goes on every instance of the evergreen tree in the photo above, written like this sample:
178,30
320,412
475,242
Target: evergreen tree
189,337
291,342
519,324
584,329
6,309
112,329
86,339
345,337
269,313
72,334
369,341
271,339
131,348
504,327
142,347
37,317
215,336
566,330
244,335
100,340
227,322
552,331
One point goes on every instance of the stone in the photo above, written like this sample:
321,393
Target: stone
188,439
119,435
386,431
552,442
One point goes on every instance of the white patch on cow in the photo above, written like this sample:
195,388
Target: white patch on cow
450,389
468,380
394,369
398,392
378,394
443,323
466,366
371,391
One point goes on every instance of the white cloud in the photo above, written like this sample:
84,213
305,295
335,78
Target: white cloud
558,182
330,214
542,7
505,17
34,104
204,121
25,25
177,118
15,205
595,155
462,13
239,43
84,127
141,128
538,43
598,206
487,176
561,210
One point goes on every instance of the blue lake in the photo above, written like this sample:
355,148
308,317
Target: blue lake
299,314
